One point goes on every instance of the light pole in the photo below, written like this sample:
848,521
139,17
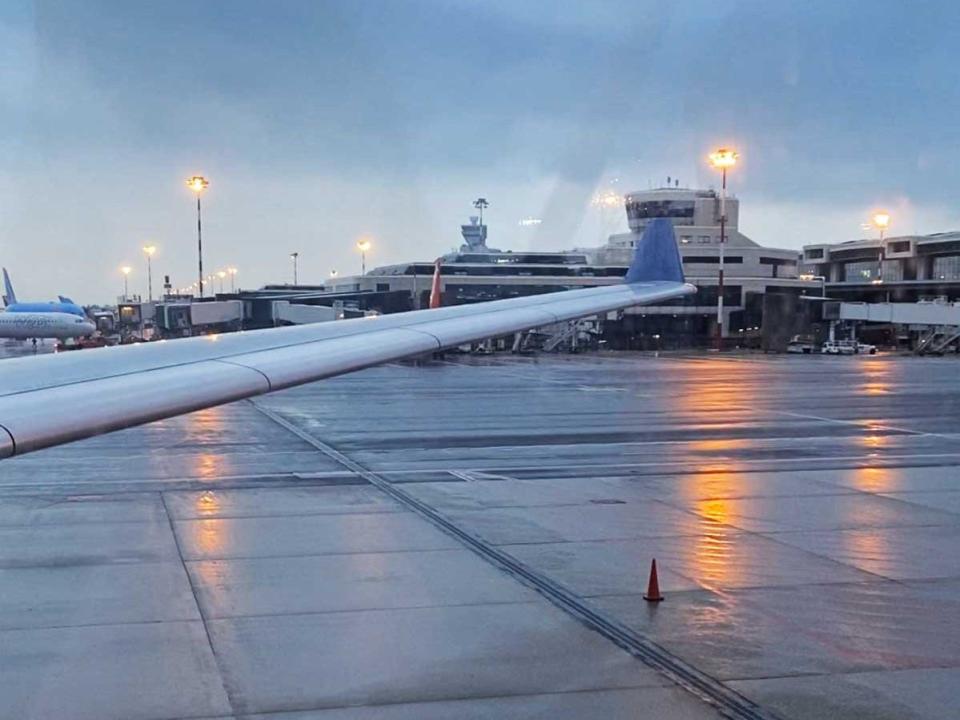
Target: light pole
722,158
126,273
363,245
221,274
480,204
416,291
233,279
294,256
198,184
149,250
881,221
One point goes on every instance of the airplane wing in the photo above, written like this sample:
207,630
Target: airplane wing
54,399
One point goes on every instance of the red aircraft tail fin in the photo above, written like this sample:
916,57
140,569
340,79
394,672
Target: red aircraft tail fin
435,287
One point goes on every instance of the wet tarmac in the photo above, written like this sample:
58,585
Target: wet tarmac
471,539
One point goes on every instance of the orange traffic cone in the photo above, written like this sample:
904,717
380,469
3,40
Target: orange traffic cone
653,587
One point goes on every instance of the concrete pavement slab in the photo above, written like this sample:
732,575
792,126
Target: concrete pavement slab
669,703
414,655
86,544
214,538
273,501
902,553
722,559
124,672
928,694
333,583
95,594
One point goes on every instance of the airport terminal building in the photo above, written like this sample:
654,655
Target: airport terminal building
761,285
907,268
761,289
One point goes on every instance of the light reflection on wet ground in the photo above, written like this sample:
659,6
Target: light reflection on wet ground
804,512
822,487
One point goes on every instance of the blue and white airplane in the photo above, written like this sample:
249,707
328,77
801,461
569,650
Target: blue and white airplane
63,304
55,399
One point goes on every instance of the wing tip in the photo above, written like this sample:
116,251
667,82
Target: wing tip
657,257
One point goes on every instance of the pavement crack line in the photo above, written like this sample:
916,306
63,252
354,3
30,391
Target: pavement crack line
203,618
724,699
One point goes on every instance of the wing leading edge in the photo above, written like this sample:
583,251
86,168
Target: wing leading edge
50,400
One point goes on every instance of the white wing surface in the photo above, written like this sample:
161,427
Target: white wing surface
54,399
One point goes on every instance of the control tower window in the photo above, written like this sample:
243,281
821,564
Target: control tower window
680,210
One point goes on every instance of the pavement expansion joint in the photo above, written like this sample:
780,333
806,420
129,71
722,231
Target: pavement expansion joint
724,699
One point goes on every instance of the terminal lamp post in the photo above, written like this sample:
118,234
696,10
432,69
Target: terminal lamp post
881,220
233,278
221,274
363,244
722,159
198,184
295,256
480,204
149,251
125,270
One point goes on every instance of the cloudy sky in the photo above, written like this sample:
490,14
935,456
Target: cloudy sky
321,121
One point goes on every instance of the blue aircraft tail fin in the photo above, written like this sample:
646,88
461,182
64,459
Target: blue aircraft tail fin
657,256
65,300
9,297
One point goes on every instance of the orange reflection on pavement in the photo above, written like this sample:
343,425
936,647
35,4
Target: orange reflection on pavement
713,563
875,374
207,503
875,441
714,484
720,444
723,401
208,466
872,479
208,536
717,510
201,426
867,550
203,423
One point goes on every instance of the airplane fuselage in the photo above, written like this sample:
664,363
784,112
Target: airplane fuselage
27,325
47,307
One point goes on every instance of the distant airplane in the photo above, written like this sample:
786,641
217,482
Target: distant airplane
20,325
55,399
64,304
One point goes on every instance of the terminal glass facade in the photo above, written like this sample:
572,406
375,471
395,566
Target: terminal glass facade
892,271
946,268
862,271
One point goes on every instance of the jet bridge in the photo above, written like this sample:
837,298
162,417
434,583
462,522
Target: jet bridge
937,322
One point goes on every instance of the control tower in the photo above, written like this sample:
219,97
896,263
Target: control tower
474,236
686,208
